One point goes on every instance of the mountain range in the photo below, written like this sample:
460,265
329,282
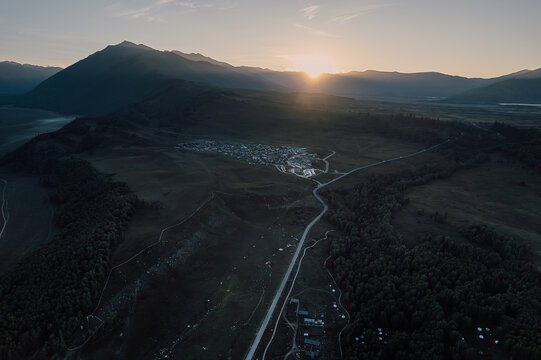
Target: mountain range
18,78
127,73
523,87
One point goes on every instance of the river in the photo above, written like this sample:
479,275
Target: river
17,125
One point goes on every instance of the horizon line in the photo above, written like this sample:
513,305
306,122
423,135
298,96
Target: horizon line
276,70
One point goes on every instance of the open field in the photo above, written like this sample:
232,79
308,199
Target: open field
500,193
218,262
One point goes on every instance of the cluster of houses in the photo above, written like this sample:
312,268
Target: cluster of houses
312,329
286,158
253,153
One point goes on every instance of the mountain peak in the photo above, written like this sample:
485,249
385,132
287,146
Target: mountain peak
129,44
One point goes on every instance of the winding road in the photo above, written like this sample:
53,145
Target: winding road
264,324
5,211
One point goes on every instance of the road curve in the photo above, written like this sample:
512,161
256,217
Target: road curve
255,344
5,212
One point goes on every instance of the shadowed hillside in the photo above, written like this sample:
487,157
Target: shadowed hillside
524,90
123,74
18,78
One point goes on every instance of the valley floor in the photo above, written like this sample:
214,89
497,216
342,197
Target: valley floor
237,249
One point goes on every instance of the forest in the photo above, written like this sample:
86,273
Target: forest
436,299
521,144
45,296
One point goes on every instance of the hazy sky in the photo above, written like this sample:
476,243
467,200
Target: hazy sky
461,37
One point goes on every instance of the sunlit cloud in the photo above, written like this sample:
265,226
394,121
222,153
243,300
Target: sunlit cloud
152,12
355,14
313,31
156,19
142,13
134,13
216,4
346,18
187,4
310,12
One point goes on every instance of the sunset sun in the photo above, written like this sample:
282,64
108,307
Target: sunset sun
314,65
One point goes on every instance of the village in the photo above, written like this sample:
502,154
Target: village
310,327
286,158
313,323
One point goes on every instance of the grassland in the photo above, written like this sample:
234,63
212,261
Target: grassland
216,261
500,193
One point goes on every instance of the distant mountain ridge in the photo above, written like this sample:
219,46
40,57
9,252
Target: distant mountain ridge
520,87
127,73
373,83
18,78
525,74
519,90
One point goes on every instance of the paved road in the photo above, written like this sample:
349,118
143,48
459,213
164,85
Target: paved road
287,274
288,295
266,320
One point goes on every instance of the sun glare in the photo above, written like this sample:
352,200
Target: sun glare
314,65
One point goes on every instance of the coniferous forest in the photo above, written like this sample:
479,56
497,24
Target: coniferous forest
45,297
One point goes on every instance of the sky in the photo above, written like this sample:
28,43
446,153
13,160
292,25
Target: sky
474,38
